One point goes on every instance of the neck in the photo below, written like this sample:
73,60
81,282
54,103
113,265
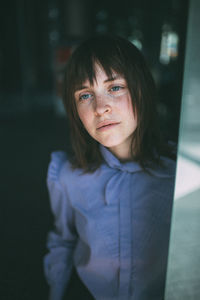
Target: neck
123,154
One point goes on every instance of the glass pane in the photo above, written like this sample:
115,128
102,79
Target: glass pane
184,256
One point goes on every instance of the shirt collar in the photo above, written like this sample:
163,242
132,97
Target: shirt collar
114,162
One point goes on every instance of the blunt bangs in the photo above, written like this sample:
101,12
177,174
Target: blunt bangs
110,53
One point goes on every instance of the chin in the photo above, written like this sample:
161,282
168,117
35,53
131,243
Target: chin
110,144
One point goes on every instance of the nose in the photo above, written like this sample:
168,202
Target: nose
102,105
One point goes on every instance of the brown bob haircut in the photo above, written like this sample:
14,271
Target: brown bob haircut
113,53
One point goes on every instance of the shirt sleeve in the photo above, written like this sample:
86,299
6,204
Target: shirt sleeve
61,242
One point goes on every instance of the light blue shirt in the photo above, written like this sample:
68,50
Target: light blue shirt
113,225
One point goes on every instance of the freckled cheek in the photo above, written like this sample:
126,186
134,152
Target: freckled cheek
85,118
125,103
127,108
81,114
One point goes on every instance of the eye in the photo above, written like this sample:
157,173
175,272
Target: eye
85,96
116,88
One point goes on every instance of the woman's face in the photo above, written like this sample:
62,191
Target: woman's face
105,109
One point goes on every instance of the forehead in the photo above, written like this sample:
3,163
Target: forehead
93,71
102,76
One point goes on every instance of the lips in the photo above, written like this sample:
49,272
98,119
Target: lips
106,123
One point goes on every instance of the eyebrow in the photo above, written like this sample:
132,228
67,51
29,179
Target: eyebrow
109,79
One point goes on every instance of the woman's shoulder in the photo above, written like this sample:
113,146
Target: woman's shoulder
59,165
60,169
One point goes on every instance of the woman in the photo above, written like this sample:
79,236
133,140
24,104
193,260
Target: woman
112,198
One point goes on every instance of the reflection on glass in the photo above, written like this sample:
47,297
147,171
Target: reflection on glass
169,45
136,38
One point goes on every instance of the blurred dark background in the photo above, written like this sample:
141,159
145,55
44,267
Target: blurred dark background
36,39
